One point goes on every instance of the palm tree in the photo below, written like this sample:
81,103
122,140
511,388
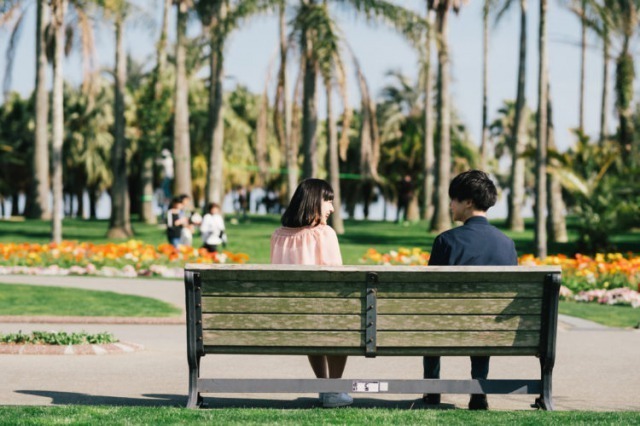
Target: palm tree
519,142
441,219
541,148
308,14
484,139
39,207
181,139
58,9
556,223
428,151
151,142
120,221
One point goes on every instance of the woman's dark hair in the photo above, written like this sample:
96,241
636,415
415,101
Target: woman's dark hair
175,201
305,208
474,185
210,207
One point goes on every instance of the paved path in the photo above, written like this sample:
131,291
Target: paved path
596,366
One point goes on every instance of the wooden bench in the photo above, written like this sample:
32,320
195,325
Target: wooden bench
371,311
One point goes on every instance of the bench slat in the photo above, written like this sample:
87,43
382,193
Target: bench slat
518,306
282,289
282,305
351,339
282,322
453,290
508,276
280,276
458,322
458,339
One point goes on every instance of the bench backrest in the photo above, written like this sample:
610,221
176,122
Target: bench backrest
371,310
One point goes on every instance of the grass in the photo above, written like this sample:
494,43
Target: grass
609,315
28,300
82,415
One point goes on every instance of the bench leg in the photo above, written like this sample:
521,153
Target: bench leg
545,401
195,400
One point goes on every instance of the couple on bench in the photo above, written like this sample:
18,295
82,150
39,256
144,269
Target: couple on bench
306,239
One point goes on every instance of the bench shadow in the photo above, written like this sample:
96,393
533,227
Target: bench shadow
213,403
75,398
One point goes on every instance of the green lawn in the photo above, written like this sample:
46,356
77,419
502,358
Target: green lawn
17,299
86,415
611,316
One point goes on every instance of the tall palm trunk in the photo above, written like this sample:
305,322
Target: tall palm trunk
515,221
625,73
556,223
120,224
541,150
583,63
441,220
428,161
215,182
39,201
181,139
146,174
58,9
334,165
604,108
291,154
309,116
484,141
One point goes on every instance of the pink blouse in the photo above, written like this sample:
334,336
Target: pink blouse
317,245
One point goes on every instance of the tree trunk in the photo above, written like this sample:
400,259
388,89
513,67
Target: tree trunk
334,164
215,181
294,139
604,109
484,140
309,113
58,11
93,202
80,198
442,221
515,221
120,223
624,86
556,224
38,202
583,63
428,161
181,139
541,149
146,183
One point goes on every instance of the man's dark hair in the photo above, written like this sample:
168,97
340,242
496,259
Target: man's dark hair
183,197
305,208
476,186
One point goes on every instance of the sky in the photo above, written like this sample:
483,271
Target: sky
380,50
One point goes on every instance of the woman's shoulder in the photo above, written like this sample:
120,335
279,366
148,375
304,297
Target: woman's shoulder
318,231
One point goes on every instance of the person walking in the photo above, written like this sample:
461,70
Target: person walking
176,221
212,228
476,242
306,239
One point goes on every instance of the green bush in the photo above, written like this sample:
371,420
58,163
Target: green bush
57,338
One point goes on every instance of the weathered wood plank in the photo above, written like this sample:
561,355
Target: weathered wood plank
467,290
384,351
283,274
462,276
277,305
351,339
460,306
458,339
258,288
458,322
199,267
282,322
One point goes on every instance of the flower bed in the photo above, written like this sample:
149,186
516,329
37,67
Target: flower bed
606,278
129,259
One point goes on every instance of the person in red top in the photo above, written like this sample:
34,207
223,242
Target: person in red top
306,239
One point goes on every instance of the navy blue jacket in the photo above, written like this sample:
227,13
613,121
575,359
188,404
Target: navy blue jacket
475,243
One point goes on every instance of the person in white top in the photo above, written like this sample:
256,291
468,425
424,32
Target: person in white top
212,228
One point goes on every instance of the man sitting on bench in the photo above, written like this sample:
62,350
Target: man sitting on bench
477,243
